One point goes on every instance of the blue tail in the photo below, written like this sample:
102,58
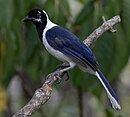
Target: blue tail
111,94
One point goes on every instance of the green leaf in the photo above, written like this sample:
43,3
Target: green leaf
6,13
85,12
59,12
11,57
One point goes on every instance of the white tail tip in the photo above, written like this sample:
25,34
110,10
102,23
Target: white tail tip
114,103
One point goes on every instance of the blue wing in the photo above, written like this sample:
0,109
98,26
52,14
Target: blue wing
67,43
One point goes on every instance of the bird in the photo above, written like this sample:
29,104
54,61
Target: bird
67,47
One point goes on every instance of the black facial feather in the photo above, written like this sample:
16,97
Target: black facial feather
37,13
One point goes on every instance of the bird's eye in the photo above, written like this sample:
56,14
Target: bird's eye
38,15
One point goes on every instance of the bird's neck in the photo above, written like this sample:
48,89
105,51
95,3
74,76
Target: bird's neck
49,25
42,28
40,31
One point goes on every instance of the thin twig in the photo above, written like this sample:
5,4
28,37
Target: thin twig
43,94
107,25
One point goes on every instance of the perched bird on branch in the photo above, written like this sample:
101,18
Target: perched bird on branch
65,46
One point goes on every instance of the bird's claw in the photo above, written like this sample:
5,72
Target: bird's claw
59,76
59,79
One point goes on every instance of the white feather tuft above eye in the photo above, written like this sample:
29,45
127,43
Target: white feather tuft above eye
39,12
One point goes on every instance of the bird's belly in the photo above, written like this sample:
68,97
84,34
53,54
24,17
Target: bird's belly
60,56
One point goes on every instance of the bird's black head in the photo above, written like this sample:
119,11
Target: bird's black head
37,16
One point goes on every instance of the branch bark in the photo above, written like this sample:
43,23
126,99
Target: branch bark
107,25
42,95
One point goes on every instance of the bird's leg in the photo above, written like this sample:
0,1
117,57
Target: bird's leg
67,67
60,73
64,69
62,66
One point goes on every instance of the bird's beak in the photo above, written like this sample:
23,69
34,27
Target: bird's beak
26,19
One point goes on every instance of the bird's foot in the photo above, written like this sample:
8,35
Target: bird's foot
61,73
58,76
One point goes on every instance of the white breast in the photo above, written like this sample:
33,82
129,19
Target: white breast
52,51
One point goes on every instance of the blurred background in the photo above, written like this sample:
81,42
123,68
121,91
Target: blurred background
24,62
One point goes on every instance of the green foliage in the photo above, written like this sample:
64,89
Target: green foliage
20,45
85,12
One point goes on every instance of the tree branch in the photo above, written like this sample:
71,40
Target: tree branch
42,95
107,25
